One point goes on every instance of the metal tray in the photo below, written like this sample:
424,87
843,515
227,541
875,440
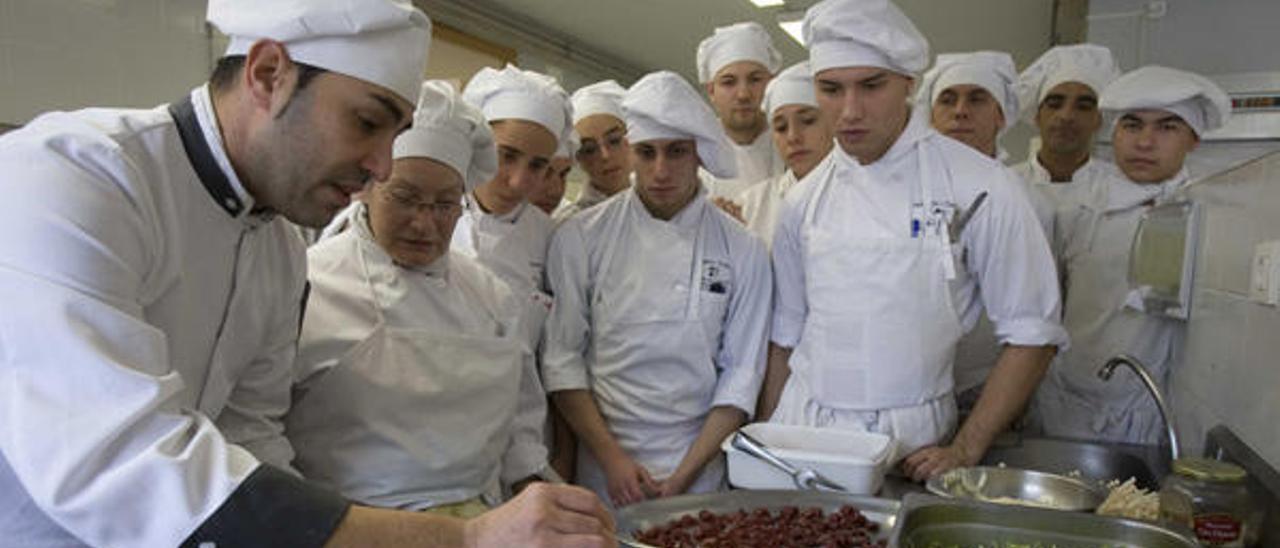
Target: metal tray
1008,485
925,521
647,514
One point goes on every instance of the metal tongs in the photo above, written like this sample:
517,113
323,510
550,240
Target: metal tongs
803,477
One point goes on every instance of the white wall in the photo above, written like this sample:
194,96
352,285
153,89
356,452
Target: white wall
66,54
1232,370
1205,36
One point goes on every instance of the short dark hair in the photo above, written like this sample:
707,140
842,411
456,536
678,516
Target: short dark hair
228,68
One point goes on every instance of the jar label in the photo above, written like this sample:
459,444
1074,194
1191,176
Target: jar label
1217,529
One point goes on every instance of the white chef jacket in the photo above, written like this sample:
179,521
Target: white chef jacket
1097,232
757,162
1008,270
454,295
761,203
1047,196
589,196
727,268
148,332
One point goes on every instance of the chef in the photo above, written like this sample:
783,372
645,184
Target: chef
655,346
735,64
530,116
603,153
882,259
802,137
1059,95
550,196
1157,116
971,98
415,388
153,289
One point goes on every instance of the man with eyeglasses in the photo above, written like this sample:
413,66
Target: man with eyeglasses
603,152
416,389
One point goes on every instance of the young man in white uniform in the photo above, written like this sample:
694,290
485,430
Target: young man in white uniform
415,389
603,153
1059,96
152,291
655,347
1157,116
530,116
879,270
735,64
802,137
971,98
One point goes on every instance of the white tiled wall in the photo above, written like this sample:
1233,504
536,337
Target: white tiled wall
67,54
1232,370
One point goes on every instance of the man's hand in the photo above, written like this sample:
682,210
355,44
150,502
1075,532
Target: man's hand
931,461
629,482
545,516
734,210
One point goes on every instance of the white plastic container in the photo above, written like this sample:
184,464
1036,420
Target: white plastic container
855,460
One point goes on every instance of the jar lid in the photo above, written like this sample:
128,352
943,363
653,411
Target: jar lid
1208,469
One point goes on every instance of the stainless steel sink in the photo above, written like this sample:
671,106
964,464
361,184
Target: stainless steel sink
1092,460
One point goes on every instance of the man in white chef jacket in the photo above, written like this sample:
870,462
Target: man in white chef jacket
801,135
971,97
735,64
879,270
655,347
603,153
1059,96
153,290
1157,116
530,115
415,388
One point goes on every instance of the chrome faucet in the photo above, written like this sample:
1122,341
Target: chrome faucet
1108,369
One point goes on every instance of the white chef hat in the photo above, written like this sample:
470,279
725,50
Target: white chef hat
863,33
380,41
1089,64
991,70
792,86
1198,101
599,98
662,105
449,130
738,42
514,94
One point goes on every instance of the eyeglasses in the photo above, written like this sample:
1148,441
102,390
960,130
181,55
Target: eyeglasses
438,210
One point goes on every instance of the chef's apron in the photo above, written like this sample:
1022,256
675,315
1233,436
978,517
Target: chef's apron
410,417
660,300
880,333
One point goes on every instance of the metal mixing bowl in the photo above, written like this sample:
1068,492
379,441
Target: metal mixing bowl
1017,487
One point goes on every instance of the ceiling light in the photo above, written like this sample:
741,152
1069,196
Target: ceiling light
793,29
768,3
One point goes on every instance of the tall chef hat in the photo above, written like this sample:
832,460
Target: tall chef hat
1199,102
380,41
514,94
863,33
1089,64
662,105
449,130
738,42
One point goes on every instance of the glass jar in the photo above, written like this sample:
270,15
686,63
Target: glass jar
1210,498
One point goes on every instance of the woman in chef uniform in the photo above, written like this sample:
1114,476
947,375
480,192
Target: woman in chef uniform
801,135
415,387
1157,116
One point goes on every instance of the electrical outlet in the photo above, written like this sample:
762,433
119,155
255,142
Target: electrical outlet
1264,278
